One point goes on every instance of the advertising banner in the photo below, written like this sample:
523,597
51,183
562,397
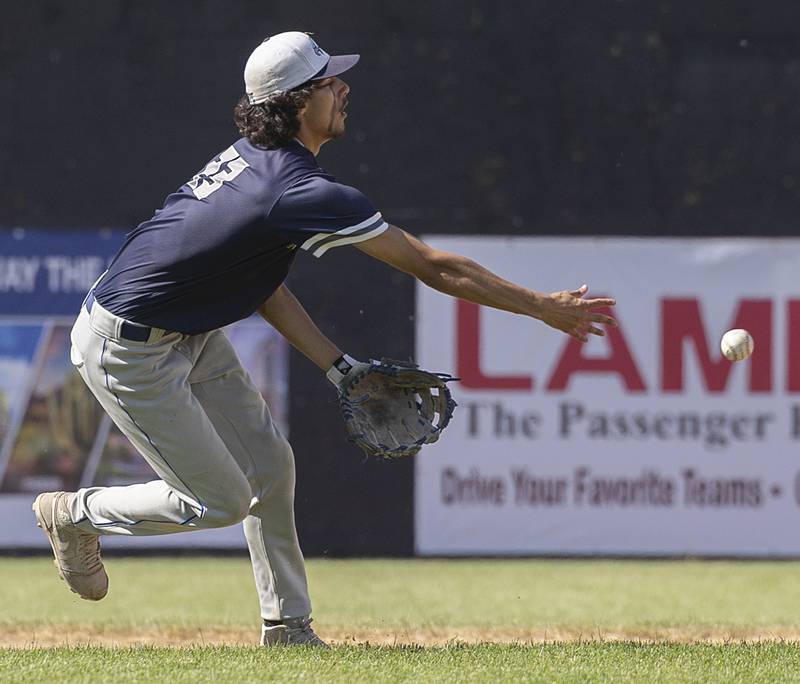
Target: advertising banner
53,433
644,442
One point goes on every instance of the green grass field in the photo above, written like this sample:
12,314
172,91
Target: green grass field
195,619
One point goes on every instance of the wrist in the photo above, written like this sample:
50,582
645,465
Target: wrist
537,304
340,368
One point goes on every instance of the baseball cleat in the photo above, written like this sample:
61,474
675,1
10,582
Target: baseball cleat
291,632
77,553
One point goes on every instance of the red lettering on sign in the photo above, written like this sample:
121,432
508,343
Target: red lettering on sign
792,345
619,360
468,354
681,322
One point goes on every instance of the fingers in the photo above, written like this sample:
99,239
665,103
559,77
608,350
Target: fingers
596,303
581,337
586,328
600,318
582,332
584,317
605,319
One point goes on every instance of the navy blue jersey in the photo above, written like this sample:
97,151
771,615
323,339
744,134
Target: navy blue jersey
224,242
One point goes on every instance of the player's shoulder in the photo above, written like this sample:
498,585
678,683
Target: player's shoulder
322,186
318,191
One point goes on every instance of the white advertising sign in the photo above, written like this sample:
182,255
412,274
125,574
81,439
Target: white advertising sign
644,442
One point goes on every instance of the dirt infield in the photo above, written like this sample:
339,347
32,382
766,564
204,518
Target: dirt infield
50,636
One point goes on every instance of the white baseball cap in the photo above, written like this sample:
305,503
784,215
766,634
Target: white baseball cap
287,60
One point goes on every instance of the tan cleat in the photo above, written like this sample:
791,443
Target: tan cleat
77,552
291,632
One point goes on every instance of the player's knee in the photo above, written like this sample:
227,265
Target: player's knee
230,509
230,512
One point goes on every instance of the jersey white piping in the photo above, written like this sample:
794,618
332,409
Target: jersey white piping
336,238
351,240
344,231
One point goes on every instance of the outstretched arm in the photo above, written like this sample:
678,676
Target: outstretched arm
289,318
464,278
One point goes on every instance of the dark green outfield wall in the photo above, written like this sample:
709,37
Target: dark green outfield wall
582,117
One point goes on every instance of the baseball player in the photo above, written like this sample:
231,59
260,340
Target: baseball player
148,342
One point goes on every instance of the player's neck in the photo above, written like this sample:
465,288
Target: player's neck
310,140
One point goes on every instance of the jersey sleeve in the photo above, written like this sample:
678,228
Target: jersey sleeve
318,214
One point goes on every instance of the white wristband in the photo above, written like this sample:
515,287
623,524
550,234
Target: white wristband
340,368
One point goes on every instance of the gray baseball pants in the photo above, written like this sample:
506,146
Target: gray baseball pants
187,405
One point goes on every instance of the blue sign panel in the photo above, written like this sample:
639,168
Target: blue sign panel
44,272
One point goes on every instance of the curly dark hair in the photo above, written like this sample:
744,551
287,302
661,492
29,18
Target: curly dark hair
272,123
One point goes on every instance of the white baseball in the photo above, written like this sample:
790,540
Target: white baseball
737,344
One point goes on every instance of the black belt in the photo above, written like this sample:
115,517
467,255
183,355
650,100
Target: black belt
128,330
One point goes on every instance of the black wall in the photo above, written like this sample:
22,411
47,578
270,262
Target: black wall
582,117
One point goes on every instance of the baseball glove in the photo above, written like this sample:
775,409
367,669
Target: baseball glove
393,408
